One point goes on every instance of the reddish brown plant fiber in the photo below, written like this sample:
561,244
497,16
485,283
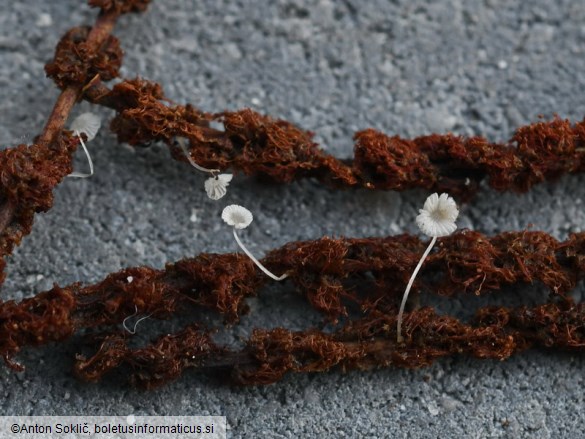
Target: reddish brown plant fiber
496,333
278,150
330,273
335,275
28,174
216,282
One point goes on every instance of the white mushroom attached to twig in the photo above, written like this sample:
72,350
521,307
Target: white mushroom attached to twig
88,124
216,185
436,219
239,218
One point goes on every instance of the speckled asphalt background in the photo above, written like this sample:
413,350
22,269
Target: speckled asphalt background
332,67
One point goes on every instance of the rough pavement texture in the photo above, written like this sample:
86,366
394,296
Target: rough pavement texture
332,67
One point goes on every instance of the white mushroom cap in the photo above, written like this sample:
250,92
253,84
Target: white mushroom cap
216,187
237,216
438,215
87,123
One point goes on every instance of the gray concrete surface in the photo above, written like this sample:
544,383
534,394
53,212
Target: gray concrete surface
332,67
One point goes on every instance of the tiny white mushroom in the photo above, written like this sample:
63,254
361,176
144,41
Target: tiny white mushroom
239,218
436,219
438,215
88,124
216,187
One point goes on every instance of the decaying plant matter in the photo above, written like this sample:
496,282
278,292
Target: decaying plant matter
28,174
355,283
333,275
495,333
278,150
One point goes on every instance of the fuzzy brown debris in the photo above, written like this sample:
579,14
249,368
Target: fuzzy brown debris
45,318
216,282
144,117
82,58
495,333
279,351
158,363
278,150
28,175
332,274
77,61
252,143
219,283
336,272
392,162
560,325
543,151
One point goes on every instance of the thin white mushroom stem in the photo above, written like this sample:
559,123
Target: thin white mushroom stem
409,286
82,174
137,321
183,146
257,262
